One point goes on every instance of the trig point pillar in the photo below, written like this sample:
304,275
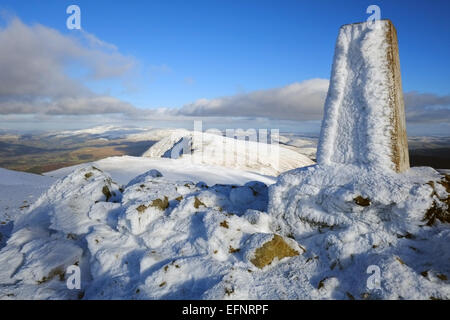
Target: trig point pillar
364,118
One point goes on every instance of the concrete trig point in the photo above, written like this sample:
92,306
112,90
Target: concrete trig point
364,119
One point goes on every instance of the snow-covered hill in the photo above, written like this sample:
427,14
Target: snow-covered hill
213,149
105,131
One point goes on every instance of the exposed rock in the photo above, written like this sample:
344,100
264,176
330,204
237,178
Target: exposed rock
276,248
363,202
160,204
198,203
106,192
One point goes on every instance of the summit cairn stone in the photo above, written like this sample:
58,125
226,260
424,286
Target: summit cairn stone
364,118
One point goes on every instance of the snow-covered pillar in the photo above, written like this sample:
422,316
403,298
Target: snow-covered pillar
364,118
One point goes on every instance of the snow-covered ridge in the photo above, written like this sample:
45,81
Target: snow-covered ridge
213,149
99,130
350,227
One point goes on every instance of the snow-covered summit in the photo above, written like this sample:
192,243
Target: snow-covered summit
214,149
153,238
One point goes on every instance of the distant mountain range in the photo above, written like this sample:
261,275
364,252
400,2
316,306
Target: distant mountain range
43,152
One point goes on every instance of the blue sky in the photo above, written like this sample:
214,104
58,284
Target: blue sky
187,50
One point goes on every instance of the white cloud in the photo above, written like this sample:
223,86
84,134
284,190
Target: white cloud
33,77
305,101
297,101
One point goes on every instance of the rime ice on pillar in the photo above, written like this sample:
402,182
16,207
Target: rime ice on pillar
364,119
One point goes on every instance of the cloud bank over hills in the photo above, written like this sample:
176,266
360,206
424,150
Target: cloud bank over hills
296,101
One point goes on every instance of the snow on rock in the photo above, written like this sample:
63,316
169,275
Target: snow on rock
349,218
320,232
152,238
66,204
49,236
364,119
146,176
213,149
353,212
264,248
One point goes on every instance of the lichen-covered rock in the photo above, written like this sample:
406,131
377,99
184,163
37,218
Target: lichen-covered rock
263,249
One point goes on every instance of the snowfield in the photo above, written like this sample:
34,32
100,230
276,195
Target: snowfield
312,235
125,168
